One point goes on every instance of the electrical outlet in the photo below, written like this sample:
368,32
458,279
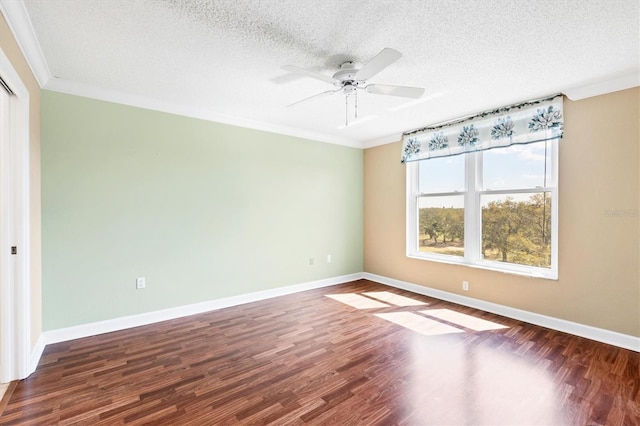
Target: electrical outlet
465,285
140,283
310,261
328,258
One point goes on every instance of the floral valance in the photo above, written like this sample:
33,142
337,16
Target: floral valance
528,122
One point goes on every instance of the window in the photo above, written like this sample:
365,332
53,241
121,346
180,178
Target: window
494,209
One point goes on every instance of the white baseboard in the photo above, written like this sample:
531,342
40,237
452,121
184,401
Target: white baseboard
121,323
593,333
36,354
107,326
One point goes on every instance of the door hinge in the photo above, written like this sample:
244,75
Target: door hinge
14,250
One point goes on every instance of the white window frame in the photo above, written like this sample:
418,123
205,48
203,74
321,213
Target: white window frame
473,220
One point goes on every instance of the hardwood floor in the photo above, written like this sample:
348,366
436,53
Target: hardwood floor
310,359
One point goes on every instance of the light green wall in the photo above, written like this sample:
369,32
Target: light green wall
203,210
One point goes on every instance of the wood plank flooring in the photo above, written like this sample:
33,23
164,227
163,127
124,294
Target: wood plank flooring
311,359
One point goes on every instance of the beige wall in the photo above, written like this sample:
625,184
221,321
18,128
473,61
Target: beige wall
599,278
11,49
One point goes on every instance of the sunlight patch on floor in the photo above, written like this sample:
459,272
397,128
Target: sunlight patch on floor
463,320
394,299
357,301
419,323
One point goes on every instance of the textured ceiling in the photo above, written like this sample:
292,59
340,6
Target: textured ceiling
223,58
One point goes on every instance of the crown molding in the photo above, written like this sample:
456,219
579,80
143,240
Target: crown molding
124,98
17,18
81,89
395,137
626,81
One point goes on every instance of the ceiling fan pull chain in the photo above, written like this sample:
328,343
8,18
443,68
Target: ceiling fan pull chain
356,93
346,111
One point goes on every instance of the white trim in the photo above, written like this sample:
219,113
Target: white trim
598,334
15,286
36,353
19,22
109,95
6,282
385,140
473,219
107,326
411,217
121,323
623,82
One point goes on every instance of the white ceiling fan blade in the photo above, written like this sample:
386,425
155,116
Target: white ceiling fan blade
402,91
308,73
386,57
319,95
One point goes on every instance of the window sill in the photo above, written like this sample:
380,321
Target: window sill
489,266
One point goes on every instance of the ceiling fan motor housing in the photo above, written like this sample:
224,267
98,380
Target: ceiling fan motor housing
346,77
349,88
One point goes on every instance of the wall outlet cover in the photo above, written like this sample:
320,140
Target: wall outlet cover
140,283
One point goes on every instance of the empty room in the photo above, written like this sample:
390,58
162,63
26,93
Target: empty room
289,212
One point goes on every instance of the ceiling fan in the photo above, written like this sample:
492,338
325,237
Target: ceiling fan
349,79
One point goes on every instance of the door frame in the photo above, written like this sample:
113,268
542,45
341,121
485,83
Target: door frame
15,280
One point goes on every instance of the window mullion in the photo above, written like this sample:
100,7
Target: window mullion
516,191
471,233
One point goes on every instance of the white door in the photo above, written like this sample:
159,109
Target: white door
15,315
7,265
